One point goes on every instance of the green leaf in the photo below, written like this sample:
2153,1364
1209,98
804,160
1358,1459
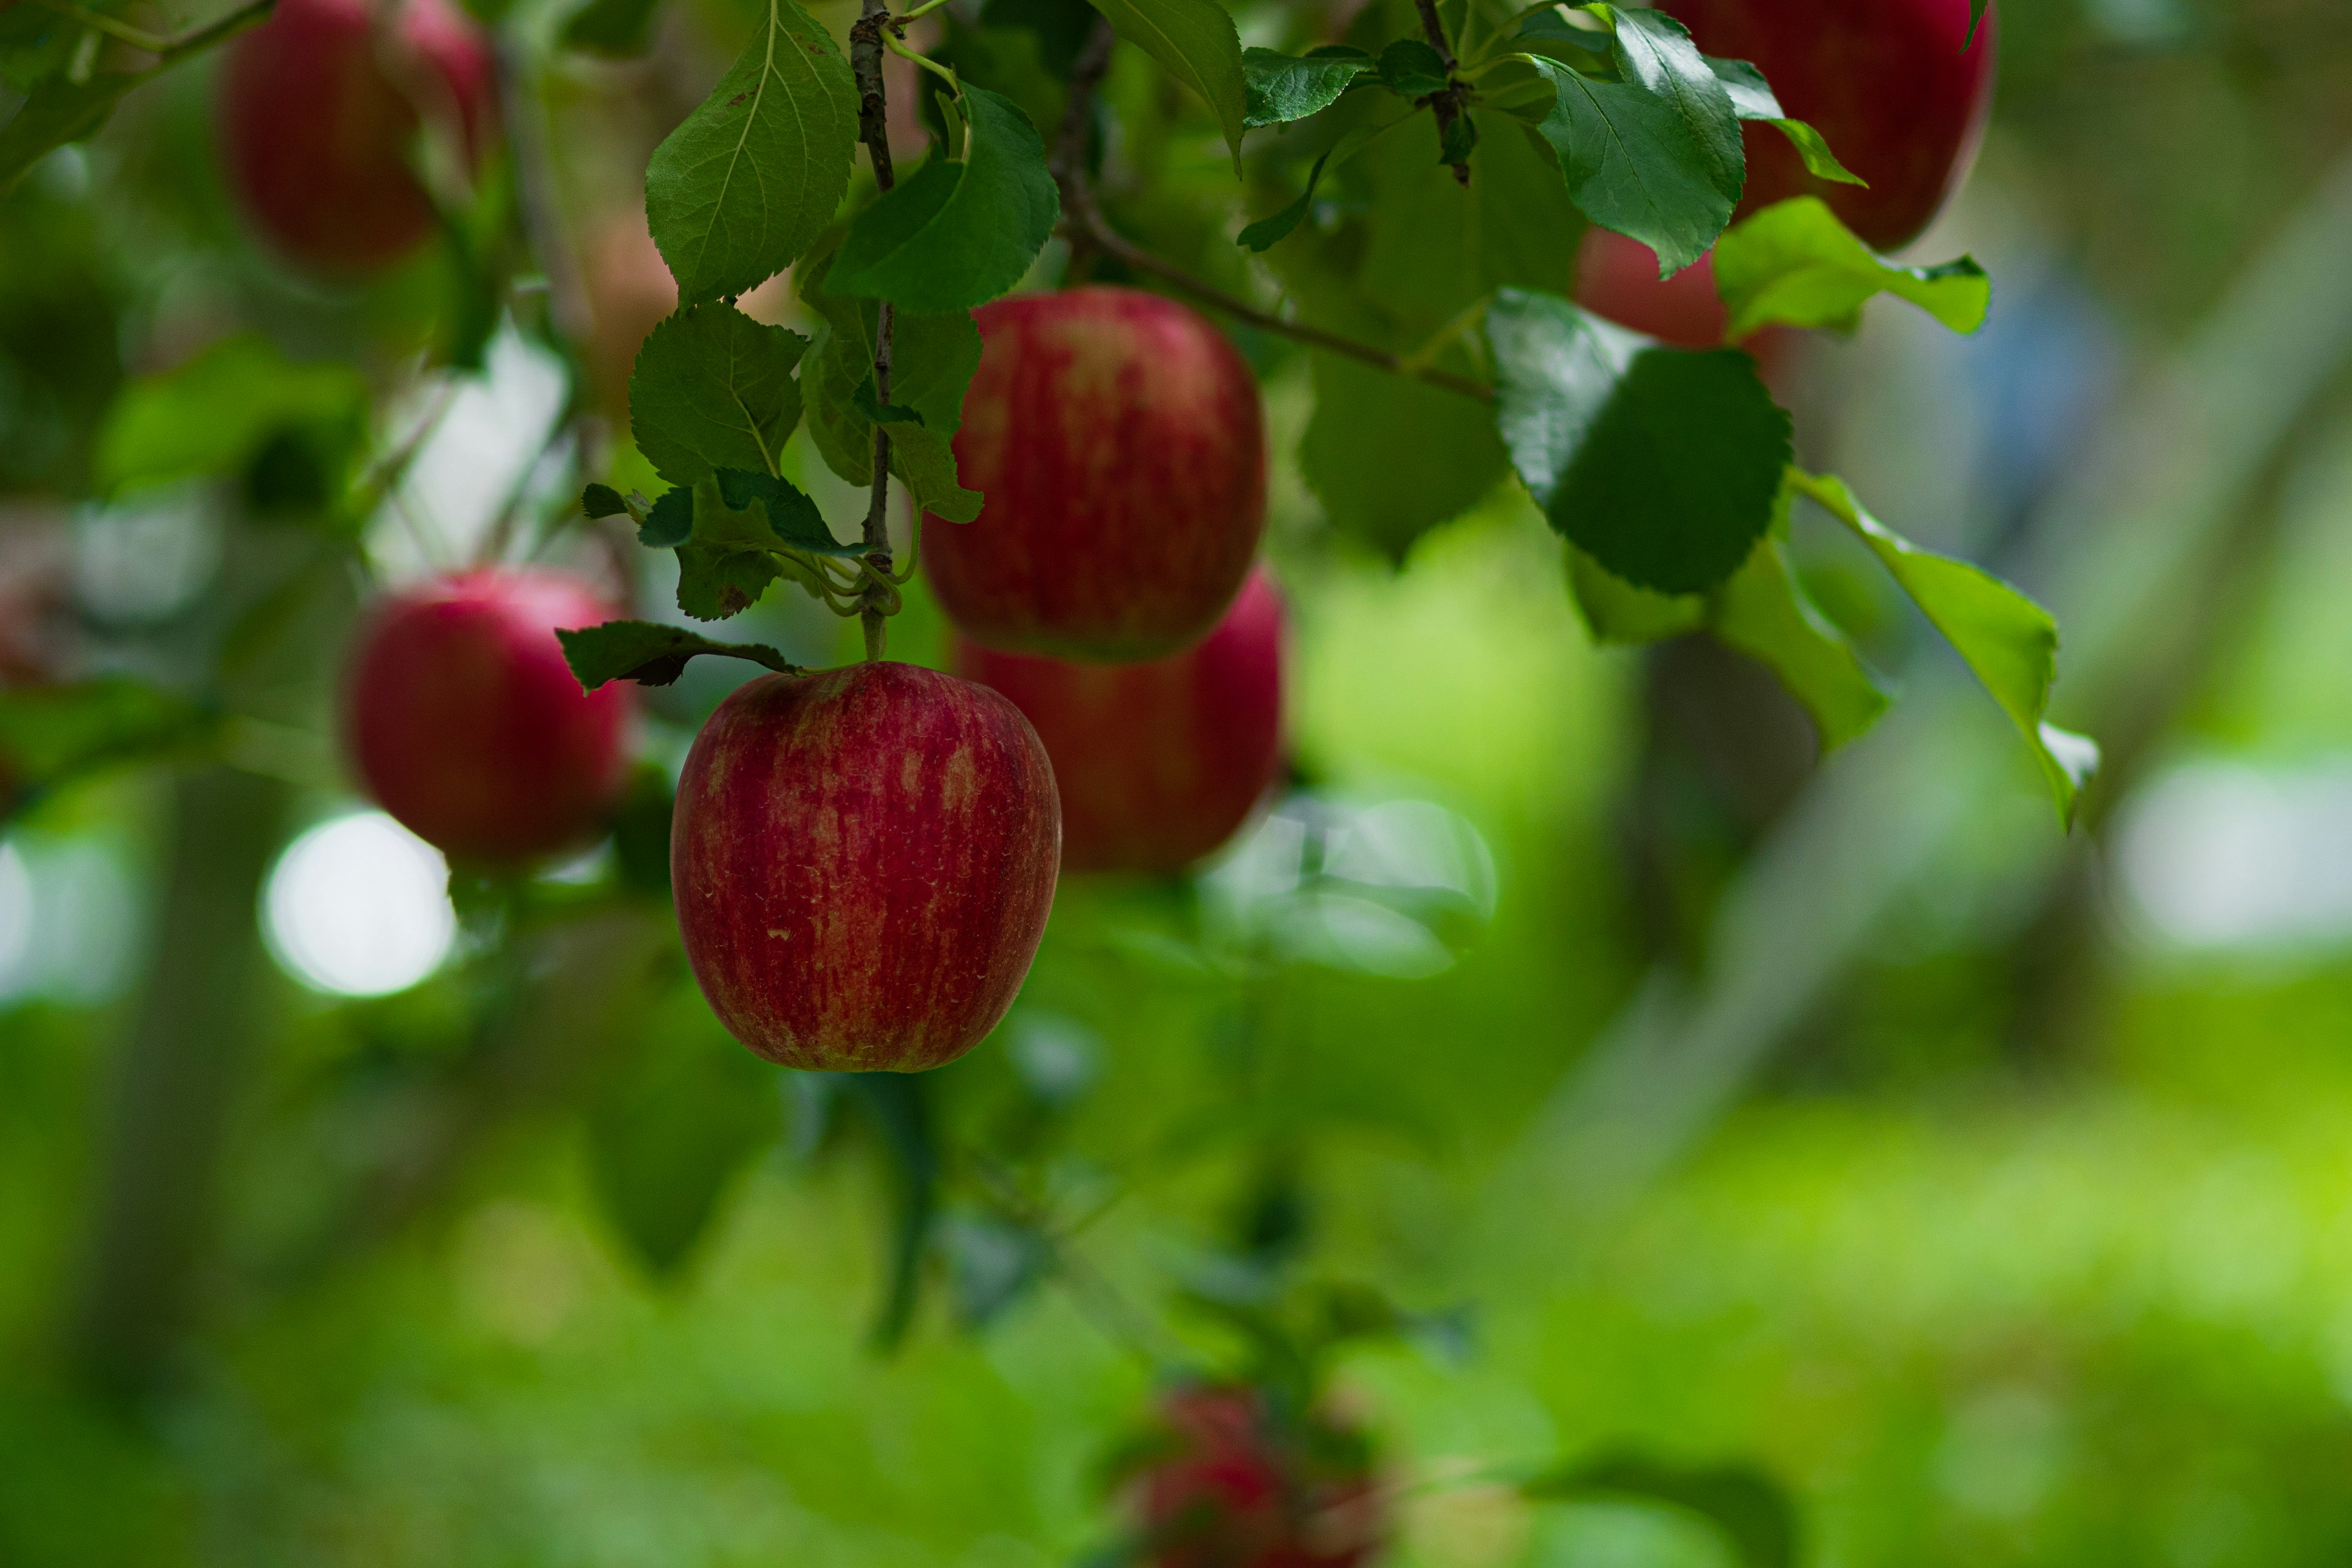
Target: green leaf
671,1132
714,583
898,1106
1267,231
1654,51
1412,69
1976,15
669,521
1752,1510
752,176
714,389
217,413
1633,164
1764,614
1751,96
956,234
868,402
2010,641
933,359
1819,161
1390,457
1195,39
740,520
1794,264
650,654
56,112
752,501
1283,88
603,500
52,734
1459,141
617,30
1663,464
1618,613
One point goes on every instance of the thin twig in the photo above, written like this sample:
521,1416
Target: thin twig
1445,103
1085,229
866,38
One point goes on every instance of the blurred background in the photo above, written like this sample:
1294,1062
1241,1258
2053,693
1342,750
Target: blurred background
1988,1188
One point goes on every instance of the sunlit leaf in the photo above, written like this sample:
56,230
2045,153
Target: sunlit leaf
1794,264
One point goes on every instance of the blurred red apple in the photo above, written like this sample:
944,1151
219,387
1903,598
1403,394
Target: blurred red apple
1239,1490
321,108
1902,102
466,724
630,291
1618,278
863,861
1157,762
1118,439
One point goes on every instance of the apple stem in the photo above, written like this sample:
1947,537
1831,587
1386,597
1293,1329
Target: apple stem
865,46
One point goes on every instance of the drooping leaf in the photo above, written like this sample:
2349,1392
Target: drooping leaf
715,583
1618,613
617,30
790,515
956,234
1752,1510
649,653
1794,264
2011,642
1764,613
603,500
1411,68
741,521
1663,464
897,1105
1632,165
752,176
669,1132
1654,51
1283,88
1752,99
1976,17
214,414
932,358
1814,151
1267,231
1196,40
714,389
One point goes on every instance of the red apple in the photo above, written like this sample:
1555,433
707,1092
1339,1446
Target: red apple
1118,439
863,861
466,724
1157,762
321,108
1240,1490
1618,278
1888,82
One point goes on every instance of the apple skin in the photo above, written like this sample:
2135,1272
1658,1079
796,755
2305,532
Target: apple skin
1617,276
466,724
1118,437
863,861
316,114
1237,1492
1886,81
1157,762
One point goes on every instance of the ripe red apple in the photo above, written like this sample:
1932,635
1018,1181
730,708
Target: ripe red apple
1888,82
1157,762
1617,276
466,724
863,861
319,110
1241,1490
1118,439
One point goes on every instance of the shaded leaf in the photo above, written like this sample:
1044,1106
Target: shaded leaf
714,389
1412,69
1283,88
1390,458
1267,231
867,402
2010,641
956,234
790,516
751,177
614,28
1663,464
1618,613
1632,165
603,500
1764,613
59,112
1196,40
1752,1511
649,653
1794,264
896,1103
217,413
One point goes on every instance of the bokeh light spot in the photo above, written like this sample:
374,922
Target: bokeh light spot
359,906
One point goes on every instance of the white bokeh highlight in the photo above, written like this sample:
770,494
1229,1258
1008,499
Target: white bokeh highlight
2230,856
359,906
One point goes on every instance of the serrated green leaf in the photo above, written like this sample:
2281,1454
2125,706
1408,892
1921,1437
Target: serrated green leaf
752,176
714,389
2010,641
669,521
714,583
1619,614
1664,464
956,234
1411,68
868,402
214,414
648,653
1654,51
617,30
603,500
1794,264
1764,613
1283,88
750,501
1632,165
1750,1508
1196,40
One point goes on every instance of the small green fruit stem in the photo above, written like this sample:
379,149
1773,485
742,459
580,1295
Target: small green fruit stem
866,40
